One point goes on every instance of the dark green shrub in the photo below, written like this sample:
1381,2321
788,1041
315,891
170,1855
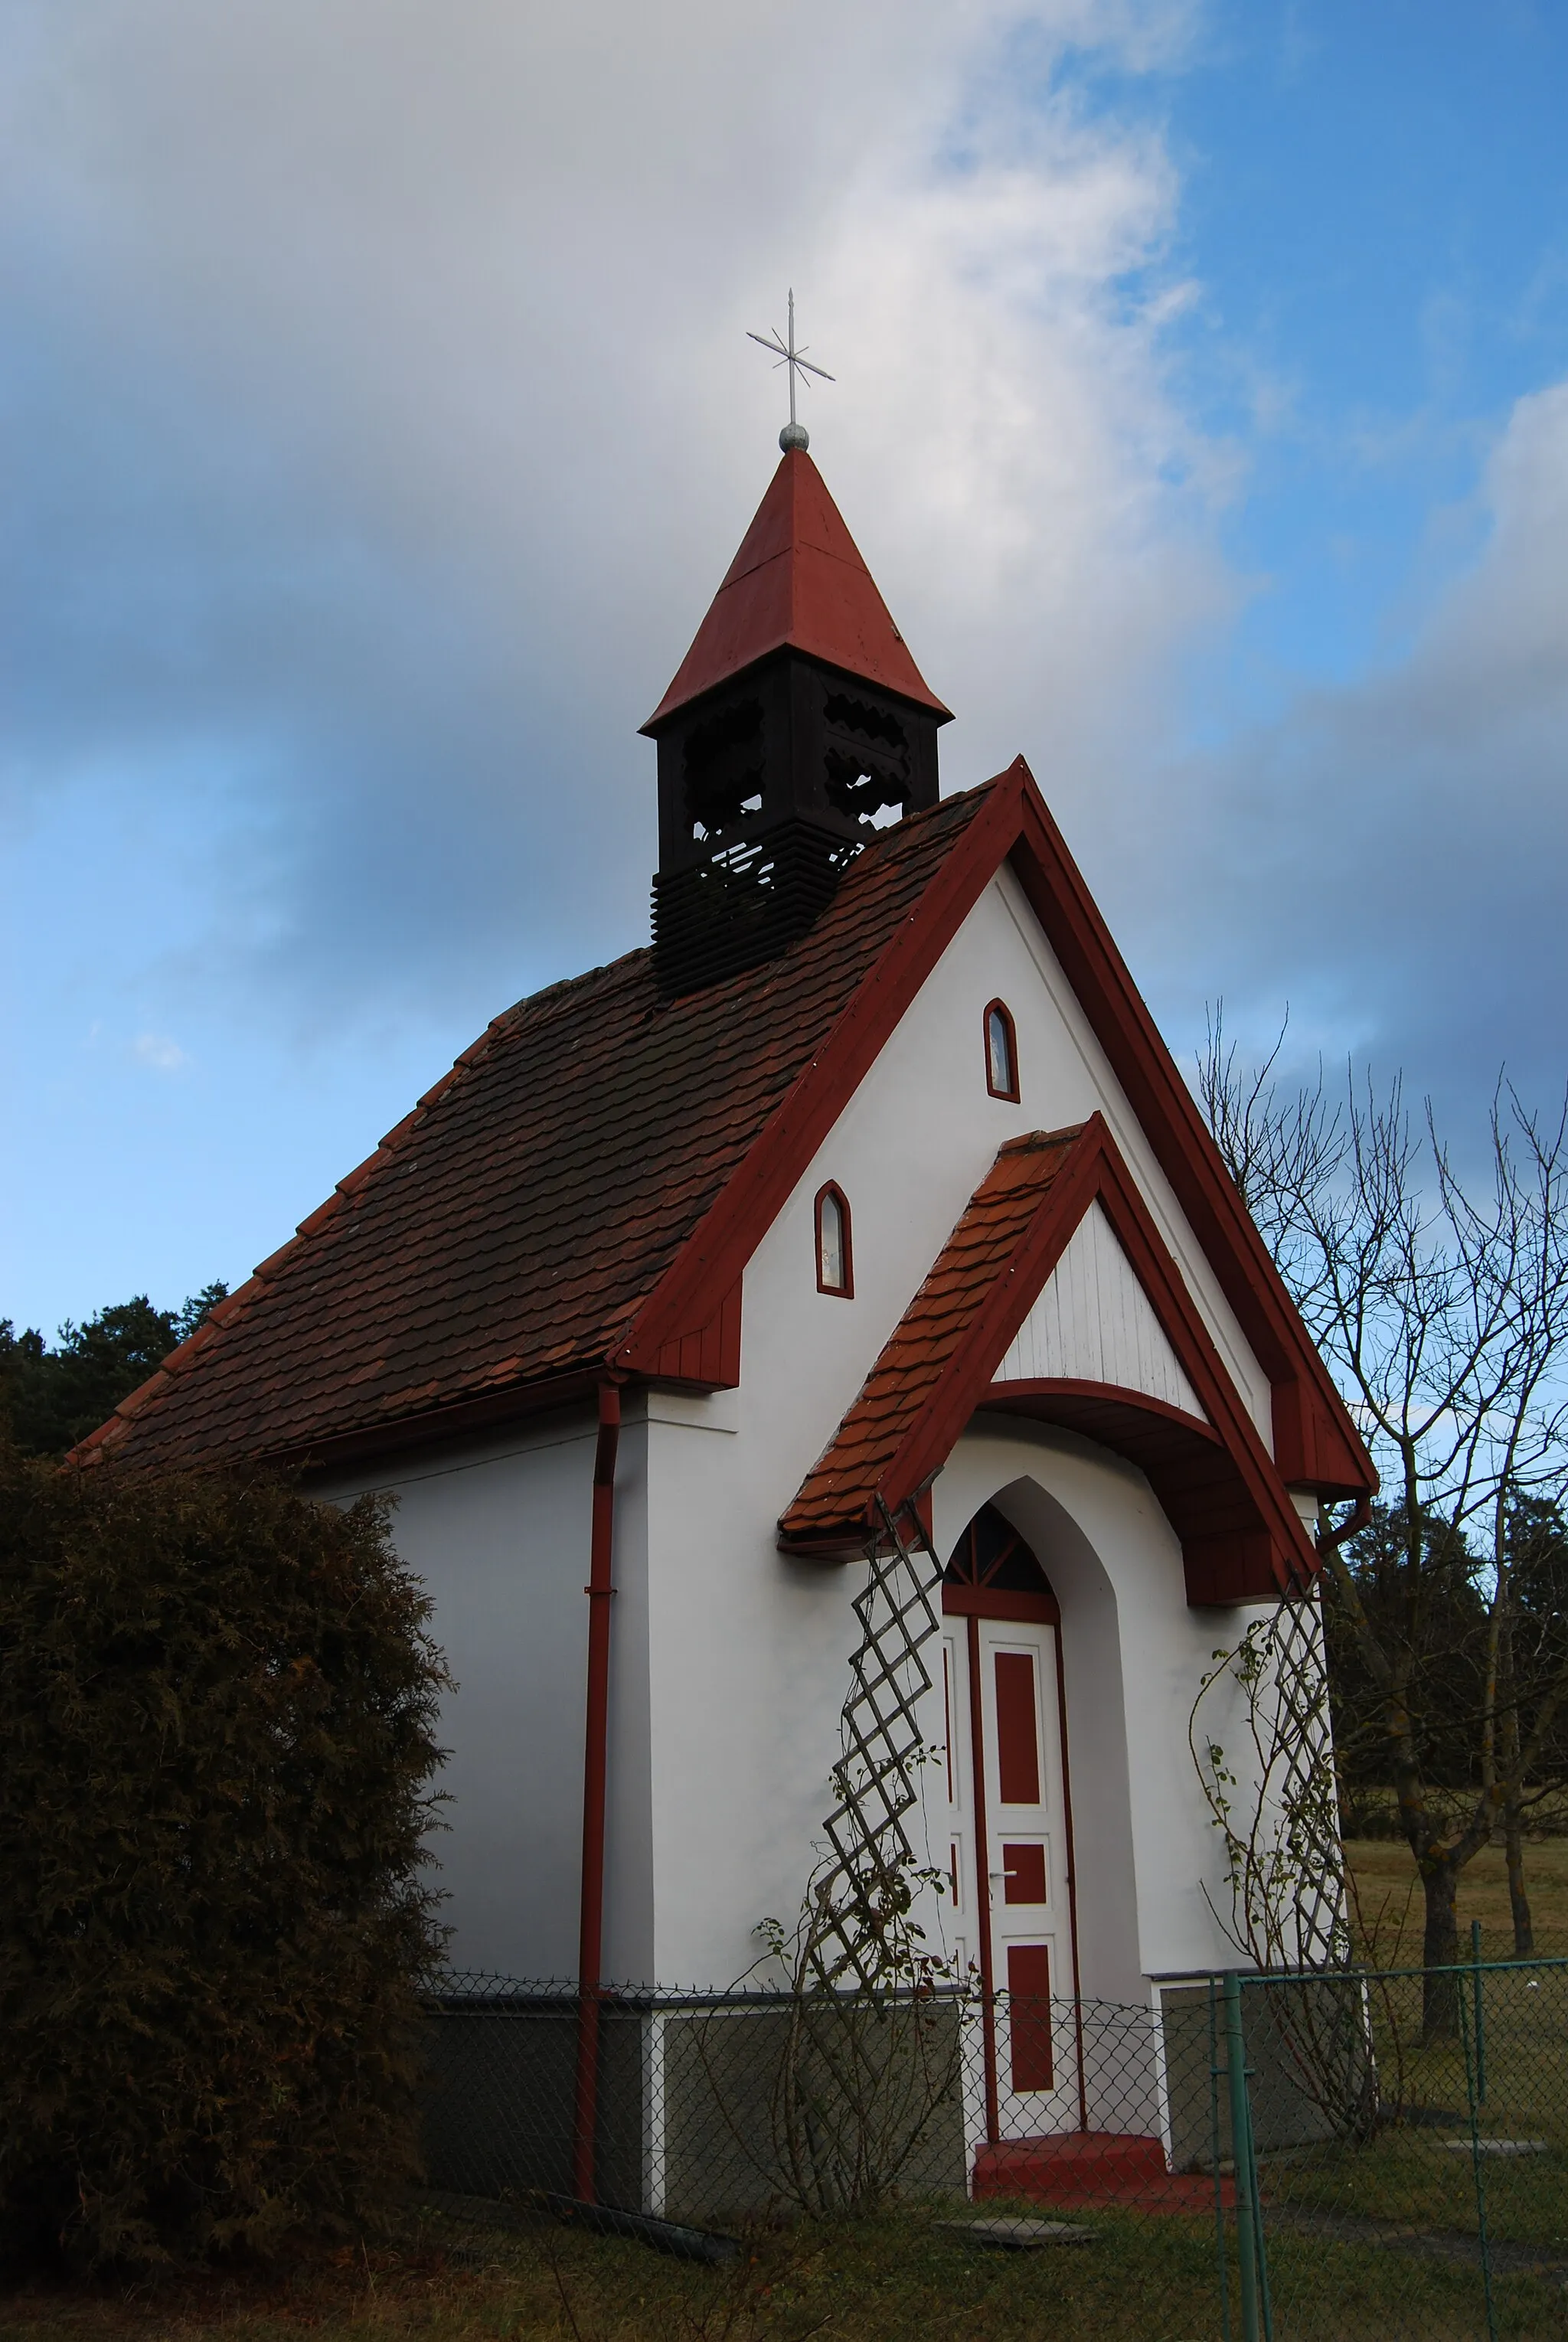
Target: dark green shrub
217,1706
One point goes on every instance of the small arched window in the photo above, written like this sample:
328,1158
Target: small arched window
835,1260
1001,1052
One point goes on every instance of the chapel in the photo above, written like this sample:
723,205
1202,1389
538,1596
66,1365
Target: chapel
861,1215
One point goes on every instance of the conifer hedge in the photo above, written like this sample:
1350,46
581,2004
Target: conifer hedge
217,1714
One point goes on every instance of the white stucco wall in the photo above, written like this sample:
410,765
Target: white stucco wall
749,1649
499,1533
730,1660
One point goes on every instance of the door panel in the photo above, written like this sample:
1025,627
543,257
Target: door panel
1016,1691
1033,2067
1024,1874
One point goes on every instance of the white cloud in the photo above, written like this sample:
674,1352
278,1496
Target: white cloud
157,1051
394,422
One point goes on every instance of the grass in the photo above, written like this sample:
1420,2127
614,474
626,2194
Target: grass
1391,1902
902,2278
880,2280
1408,2176
896,2278
1411,2171
1324,2292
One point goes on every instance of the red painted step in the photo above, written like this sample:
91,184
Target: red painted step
1093,2166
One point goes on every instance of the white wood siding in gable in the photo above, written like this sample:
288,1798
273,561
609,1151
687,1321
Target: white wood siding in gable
1094,1323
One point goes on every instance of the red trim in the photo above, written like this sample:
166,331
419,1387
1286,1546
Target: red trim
1316,1444
1189,1467
994,1602
1071,1884
1267,1550
717,1252
1000,1008
1067,1389
709,1358
518,1402
600,1590
845,1291
983,1885
798,580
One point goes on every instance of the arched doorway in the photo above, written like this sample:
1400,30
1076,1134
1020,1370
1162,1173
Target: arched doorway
1009,1823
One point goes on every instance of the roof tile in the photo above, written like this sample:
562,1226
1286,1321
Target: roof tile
798,579
838,1492
509,1228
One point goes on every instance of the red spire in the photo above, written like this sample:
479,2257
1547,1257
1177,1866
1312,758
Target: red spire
797,582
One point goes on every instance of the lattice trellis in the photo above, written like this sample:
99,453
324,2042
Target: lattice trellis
1285,1861
857,1929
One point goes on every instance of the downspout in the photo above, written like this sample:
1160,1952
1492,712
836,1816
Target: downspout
599,1591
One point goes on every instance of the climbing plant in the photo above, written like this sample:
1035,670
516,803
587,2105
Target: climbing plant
870,2070
1272,1798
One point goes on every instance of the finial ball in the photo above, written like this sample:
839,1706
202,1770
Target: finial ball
794,436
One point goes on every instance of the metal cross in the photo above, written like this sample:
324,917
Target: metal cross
793,434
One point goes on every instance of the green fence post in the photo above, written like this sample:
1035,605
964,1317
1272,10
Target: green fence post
1480,2014
1214,2160
1476,2160
1241,2157
1260,2239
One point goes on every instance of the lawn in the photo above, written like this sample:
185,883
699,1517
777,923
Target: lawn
903,2278
898,2278
1390,1903
881,2280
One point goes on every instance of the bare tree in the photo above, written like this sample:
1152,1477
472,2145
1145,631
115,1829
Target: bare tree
1534,1652
1441,1304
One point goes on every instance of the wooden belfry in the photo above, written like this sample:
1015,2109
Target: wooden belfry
797,726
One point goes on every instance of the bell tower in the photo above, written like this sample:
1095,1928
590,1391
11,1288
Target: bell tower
797,726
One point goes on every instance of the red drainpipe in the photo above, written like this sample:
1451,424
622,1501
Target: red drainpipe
595,1767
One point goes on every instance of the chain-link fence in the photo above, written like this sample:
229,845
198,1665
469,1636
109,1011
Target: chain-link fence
1435,2201
1328,2155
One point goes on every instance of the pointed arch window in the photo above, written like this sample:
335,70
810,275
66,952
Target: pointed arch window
1000,1052
993,1572
835,1255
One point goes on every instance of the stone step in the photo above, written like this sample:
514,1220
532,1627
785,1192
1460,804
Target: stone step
1079,2169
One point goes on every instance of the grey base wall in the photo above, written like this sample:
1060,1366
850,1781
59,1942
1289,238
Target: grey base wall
702,2115
714,2112
1308,2054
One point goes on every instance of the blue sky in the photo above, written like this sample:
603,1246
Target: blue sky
1376,206
380,418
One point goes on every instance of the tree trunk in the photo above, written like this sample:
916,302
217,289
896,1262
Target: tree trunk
1518,1900
1440,1950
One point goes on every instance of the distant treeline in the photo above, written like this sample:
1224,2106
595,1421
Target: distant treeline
51,1396
1437,1607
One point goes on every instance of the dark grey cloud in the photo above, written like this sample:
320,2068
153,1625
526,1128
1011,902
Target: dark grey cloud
384,423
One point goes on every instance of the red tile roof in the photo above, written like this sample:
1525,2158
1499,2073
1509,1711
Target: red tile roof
507,1232
839,1491
798,582
583,1190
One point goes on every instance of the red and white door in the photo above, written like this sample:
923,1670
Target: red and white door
1009,1841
